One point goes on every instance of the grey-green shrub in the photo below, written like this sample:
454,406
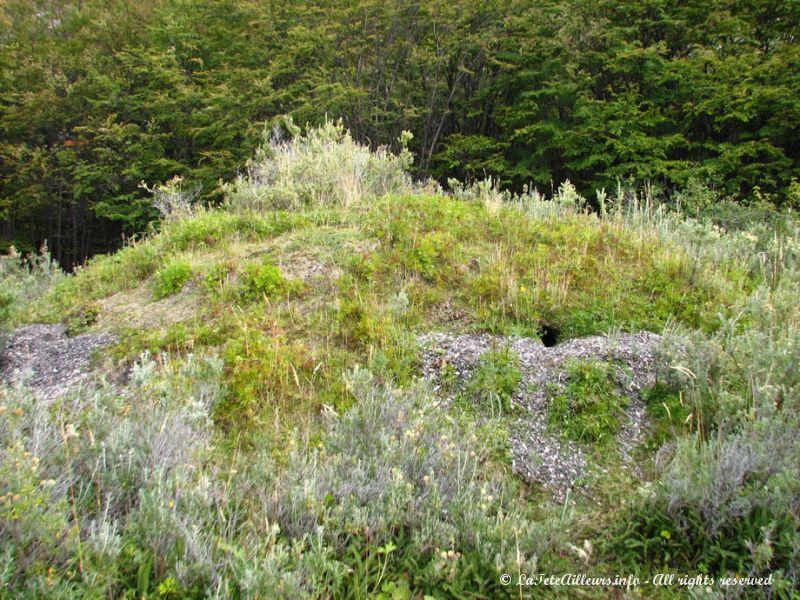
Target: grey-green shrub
397,461
322,167
76,472
116,489
741,463
23,280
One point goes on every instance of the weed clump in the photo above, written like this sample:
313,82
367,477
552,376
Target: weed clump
400,486
171,278
94,488
262,280
725,496
495,381
23,280
590,408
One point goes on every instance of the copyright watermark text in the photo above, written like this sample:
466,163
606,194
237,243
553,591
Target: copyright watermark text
632,581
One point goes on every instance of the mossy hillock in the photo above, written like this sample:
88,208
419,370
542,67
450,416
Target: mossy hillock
261,424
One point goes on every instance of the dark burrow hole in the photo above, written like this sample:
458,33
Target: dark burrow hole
549,334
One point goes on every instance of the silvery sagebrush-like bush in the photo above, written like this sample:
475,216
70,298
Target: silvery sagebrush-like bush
743,386
396,460
23,279
78,472
396,465
171,200
322,167
565,201
111,489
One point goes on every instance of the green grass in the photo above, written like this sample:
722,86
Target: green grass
670,414
591,406
510,274
171,278
386,269
494,382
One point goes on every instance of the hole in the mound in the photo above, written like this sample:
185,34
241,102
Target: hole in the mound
549,334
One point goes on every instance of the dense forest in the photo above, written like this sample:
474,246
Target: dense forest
98,97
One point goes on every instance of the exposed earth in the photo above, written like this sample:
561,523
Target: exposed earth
50,362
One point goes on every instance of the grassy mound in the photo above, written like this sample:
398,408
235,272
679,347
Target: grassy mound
275,340
280,294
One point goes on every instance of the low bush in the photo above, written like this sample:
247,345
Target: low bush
726,498
117,491
590,407
171,278
400,494
263,280
322,167
77,475
495,381
22,281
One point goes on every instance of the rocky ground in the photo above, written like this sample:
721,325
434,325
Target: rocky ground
539,454
52,362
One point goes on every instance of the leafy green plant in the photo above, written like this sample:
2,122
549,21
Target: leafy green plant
495,381
171,278
381,488
262,280
757,541
590,407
